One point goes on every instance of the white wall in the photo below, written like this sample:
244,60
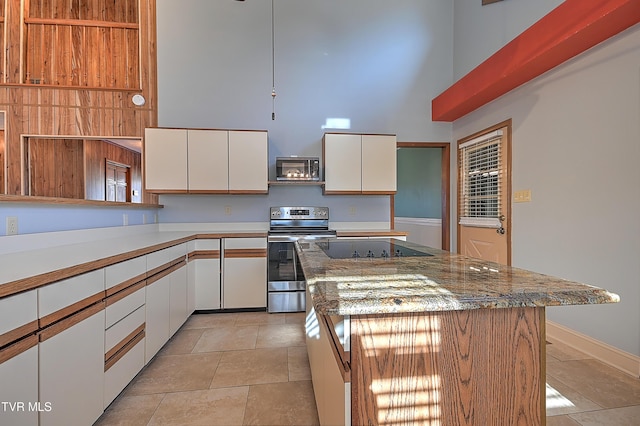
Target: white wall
377,63
576,146
480,31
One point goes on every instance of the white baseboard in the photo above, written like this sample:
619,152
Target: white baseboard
608,354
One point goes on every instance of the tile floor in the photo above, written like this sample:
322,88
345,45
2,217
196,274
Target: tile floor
252,369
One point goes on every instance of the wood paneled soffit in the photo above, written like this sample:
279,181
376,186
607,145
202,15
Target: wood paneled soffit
568,30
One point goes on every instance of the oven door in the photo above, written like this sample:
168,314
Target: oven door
286,284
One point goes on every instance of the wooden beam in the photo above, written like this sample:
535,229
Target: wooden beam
568,30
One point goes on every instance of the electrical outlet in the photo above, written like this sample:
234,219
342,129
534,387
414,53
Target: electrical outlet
227,210
12,225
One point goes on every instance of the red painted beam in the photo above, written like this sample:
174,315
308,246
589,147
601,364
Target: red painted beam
568,30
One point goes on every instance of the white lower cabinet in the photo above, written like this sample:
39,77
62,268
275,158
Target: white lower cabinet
332,392
178,313
124,348
204,273
71,373
157,315
19,388
244,273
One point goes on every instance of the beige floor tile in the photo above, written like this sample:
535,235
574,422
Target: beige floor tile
290,403
298,363
280,335
130,410
174,373
598,382
210,320
562,399
207,408
626,416
561,421
258,318
227,339
238,368
562,352
182,342
294,318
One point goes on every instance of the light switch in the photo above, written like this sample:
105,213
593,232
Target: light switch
523,196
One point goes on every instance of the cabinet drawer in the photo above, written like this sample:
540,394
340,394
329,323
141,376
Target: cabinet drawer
71,295
161,257
122,372
128,271
118,332
204,245
242,243
122,308
18,316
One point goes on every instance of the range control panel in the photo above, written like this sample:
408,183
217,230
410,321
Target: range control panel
299,212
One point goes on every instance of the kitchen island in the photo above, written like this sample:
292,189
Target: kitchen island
434,338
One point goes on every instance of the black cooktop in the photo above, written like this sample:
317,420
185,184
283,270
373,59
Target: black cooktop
354,249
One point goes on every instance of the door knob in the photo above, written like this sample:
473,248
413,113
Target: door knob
501,218
500,231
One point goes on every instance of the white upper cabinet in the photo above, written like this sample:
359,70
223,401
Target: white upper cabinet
206,161
165,160
359,164
378,163
342,163
248,161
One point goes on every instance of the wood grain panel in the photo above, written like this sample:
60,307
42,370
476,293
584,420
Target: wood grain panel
18,333
120,345
245,253
471,367
204,254
96,153
125,349
69,322
127,290
70,310
53,52
18,348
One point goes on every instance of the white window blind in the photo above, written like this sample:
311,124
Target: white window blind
481,180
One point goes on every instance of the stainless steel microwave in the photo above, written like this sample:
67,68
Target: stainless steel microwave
298,168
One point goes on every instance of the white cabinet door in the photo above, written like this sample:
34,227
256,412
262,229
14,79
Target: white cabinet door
208,160
342,162
244,273
248,161
157,316
72,373
178,300
204,273
165,159
19,378
378,163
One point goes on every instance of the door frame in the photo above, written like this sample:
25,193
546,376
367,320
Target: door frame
507,135
445,202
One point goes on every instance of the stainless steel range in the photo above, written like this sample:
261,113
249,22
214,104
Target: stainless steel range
286,284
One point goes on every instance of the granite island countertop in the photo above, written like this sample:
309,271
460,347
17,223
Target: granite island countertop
443,281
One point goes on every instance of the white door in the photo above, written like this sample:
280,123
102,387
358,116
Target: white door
484,191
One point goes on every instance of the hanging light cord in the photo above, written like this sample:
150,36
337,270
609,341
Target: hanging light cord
273,66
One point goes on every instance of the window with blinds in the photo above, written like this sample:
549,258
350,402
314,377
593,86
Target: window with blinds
480,165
